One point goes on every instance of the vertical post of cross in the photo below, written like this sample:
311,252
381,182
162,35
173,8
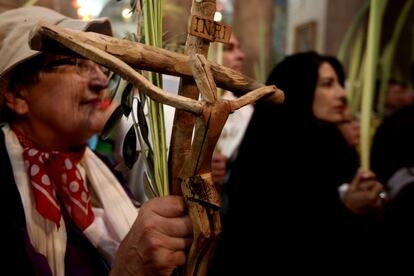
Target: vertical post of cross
181,139
183,121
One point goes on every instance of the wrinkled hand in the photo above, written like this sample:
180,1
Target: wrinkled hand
363,194
218,168
158,240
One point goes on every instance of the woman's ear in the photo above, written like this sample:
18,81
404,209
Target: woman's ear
16,103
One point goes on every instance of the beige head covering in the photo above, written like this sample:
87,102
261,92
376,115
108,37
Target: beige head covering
15,26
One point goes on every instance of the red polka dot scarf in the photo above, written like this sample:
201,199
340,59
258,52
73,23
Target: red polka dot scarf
55,172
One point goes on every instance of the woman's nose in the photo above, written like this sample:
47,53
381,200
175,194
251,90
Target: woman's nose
341,91
98,80
241,54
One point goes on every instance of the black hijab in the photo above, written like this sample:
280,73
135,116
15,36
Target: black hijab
289,136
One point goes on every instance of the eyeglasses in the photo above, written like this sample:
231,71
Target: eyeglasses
82,66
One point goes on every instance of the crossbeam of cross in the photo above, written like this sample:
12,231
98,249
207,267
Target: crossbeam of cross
211,113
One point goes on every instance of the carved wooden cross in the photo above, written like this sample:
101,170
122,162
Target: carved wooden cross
190,161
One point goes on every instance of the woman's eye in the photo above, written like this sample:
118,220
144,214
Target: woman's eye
327,83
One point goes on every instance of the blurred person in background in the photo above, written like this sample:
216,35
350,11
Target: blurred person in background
350,128
398,96
235,127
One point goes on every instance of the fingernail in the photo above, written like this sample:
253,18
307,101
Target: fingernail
366,175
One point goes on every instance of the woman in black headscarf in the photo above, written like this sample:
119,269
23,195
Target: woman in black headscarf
283,189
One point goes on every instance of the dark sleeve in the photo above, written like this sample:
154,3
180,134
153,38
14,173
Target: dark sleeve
399,212
18,251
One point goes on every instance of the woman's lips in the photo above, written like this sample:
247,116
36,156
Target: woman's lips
101,103
104,104
340,108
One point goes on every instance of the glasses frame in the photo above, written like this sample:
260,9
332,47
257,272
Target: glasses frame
83,67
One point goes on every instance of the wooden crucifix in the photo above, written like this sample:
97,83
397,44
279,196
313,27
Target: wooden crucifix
195,171
210,114
183,121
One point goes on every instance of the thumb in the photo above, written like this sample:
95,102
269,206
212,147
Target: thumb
167,206
360,177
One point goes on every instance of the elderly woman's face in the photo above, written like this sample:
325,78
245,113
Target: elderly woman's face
67,101
329,101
